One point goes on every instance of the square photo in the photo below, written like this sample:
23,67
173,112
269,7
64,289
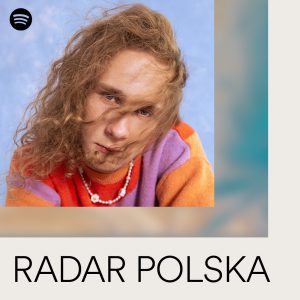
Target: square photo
109,105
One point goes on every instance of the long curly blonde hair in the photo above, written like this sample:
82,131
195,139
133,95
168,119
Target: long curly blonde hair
51,132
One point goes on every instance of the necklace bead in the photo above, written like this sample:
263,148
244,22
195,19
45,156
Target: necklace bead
95,198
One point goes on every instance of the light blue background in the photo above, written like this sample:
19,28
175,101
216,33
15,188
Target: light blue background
27,55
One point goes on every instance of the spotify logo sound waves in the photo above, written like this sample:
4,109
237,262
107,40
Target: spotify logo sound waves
20,19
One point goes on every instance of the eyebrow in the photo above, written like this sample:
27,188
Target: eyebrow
111,89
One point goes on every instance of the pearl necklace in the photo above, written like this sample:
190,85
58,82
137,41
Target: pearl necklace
122,192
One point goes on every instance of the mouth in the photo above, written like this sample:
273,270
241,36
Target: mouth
106,149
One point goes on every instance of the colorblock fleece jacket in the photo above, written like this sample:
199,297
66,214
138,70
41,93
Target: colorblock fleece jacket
173,173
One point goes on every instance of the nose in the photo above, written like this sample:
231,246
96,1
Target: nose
118,127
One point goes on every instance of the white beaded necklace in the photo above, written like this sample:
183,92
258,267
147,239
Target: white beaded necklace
122,192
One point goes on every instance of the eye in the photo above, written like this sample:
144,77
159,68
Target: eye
145,112
110,98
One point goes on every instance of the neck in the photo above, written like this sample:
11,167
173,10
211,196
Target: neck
106,178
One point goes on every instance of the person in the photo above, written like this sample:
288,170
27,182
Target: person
105,130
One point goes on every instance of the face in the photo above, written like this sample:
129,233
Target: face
124,104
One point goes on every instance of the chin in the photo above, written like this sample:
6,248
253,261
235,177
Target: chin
104,167
104,163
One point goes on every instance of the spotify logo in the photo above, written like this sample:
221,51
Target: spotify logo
20,19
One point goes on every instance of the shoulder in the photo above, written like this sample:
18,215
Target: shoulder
26,190
184,130
182,143
173,150
183,135
190,137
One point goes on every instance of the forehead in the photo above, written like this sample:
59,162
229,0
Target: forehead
137,74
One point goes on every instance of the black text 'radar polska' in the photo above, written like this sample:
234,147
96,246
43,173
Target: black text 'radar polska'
20,19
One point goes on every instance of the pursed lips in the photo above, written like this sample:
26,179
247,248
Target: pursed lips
105,149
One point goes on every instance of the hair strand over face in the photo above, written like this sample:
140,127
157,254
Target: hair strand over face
50,131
